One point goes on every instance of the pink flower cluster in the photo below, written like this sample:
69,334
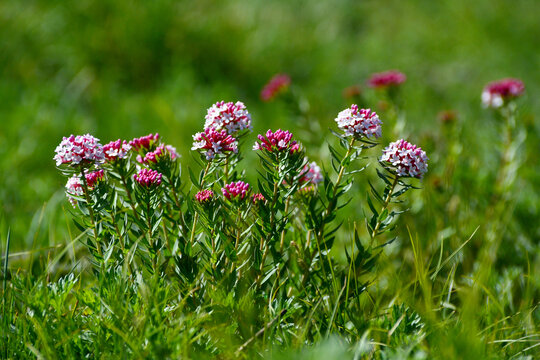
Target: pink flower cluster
93,178
204,196
311,174
387,78
74,185
359,122
278,83
116,150
213,142
496,93
79,149
235,190
407,159
229,116
160,152
148,178
256,198
276,141
144,142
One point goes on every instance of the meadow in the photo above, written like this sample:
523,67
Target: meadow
332,260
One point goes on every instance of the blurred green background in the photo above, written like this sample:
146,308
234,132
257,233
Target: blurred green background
120,69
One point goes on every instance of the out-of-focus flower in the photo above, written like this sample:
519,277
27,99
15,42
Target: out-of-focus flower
352,91
80,149
116,150
213,142
256,198
229,116
160,152
204,196
311,174
447,116
407,159
359,122
307,190
235,190
276,141
386,79
144,142
496,93
277,84
148,178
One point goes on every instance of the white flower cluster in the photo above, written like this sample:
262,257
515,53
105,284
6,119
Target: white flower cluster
407,159
232,117
359,122
76,149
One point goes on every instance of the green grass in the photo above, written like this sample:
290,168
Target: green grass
460,281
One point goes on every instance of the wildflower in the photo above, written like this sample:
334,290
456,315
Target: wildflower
232,117
277,84
258,197
116,150
214,142
144,142
447,116
74,188
311,174
93,178
161,151
148,178
307,190
235,190
386,79
204,196
407,159
80,149
277,141
359,122
495,94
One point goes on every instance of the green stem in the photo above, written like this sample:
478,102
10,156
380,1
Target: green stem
196,216
91,209
385,205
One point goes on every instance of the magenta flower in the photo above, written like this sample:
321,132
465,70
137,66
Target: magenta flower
93,178
116,150
204,196
144,142
407,159
232,117
359,122
258,197
311,173
386,79
277,141
148,178
235,190
80,149
213,142
277,84
74,188
161,151
495,94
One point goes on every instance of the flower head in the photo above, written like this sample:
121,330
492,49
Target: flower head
204,196
407,159
213,142
235,190
148,178
387,78
93,178
116,150
74,188
495,94
311,174
80,149
258,197
229,116
359,122
277,84
277,141
162,151
144,142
